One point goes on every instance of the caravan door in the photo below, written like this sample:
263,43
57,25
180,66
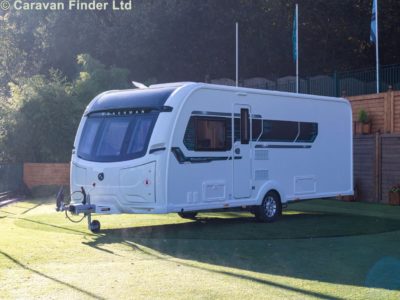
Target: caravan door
241,155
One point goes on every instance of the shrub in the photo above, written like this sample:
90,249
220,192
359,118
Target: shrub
363,116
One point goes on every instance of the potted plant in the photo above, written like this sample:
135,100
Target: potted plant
394,195
363,126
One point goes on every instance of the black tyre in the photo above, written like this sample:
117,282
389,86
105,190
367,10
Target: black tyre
95,226
188,215
270,209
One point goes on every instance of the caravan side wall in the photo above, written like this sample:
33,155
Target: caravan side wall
201,179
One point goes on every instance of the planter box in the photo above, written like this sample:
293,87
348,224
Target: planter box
350,198
394,198
357,128
362,128
366,128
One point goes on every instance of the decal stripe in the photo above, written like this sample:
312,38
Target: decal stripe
181,158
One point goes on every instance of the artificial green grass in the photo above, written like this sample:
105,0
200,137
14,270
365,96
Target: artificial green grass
320,249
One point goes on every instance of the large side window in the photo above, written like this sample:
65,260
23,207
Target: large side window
279,131
208,134
308,132
256,128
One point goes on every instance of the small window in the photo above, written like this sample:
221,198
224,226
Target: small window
208,134
279,131
244,126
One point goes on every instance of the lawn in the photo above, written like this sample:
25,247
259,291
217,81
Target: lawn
320,249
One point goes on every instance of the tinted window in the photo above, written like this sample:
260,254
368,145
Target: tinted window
116,138
237,129
256,128
111,137
208,134
189,139
140,134
279,131
138,98
244,126
88,136
308,132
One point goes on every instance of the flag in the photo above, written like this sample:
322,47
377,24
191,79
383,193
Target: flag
294,37
372,36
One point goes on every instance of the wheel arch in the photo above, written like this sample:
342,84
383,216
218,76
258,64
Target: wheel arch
271,186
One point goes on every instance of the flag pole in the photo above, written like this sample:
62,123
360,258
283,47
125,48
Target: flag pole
377,47
237,54
297,48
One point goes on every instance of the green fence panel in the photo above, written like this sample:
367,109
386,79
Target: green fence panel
352,83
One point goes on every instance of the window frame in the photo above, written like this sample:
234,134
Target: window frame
227,139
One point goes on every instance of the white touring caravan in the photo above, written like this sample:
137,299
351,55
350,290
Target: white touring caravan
190,147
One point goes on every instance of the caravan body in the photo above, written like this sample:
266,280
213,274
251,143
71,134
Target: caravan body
194,146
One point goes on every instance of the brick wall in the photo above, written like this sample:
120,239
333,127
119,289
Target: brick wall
383,109
46,174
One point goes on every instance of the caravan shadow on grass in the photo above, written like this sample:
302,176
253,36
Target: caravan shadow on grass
334,248
294,226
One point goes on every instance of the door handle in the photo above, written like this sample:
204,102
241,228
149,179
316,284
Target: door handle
237,151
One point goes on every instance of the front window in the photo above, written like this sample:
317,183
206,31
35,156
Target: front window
110,137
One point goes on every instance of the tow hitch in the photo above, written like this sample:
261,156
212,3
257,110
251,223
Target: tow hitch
75,209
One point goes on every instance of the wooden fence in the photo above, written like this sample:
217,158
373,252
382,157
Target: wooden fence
383,109
376,165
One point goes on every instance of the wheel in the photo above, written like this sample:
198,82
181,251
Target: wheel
95,226
270,209
188,215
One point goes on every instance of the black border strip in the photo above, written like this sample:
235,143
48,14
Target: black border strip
182,158
283,146
219,114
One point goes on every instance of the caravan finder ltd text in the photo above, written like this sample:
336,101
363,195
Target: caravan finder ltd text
70,5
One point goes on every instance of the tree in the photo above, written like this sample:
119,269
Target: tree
175,40
95,78
40,117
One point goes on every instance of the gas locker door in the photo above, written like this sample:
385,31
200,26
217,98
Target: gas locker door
241,149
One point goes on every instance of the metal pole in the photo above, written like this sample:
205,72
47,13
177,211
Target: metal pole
377,48
237,54
297,48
